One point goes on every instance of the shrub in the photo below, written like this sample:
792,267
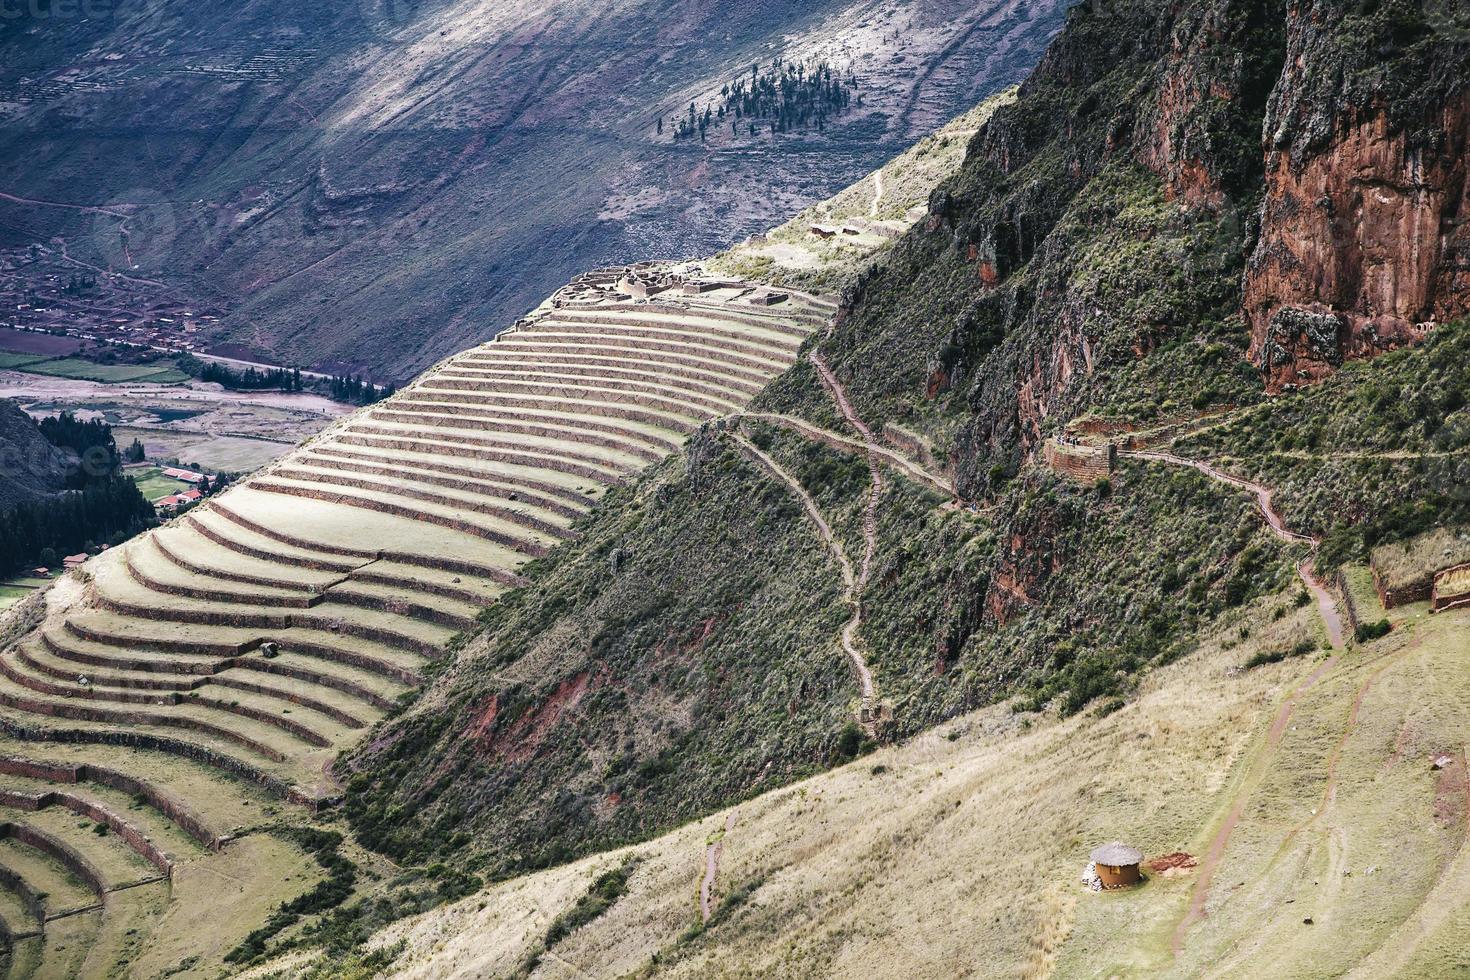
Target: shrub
1371,631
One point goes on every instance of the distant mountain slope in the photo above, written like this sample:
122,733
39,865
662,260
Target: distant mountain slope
30,467
377,184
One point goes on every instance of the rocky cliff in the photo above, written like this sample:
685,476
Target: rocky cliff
1364,245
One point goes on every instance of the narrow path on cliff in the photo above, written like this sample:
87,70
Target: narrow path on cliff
875,474
868,696
88,208
712,852
877,192
911,468
1326,604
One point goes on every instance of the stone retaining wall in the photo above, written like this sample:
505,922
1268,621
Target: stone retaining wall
302,601
656,381
767,366
1349,606
240,548
244,578
83,712
63,773
596,475
525,546
59,852
651,397
537,352
710,380
1419,590
29,897
171,746
346,454
1446,596
490,506
132,836
1085,464
549,403
587,436
511,489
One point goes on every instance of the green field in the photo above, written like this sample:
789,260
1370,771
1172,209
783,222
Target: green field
154,485
12,360
75,367
11,594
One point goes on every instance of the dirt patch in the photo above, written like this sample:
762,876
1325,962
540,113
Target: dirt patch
1451,791
1180,862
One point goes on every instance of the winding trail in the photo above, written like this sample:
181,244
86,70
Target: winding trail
910,468
712,854
868,694
1326,604
875,491
1327,607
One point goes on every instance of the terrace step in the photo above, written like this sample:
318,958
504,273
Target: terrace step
63,675
296,521
444,610
512,419
149,566
665,399
447,448
754,331
759,348
685,371
613,348
162,818
344,462
103,639
118,861
550,447
474,592
555,379
458,518
217,524
563,487
501,505
410,418
59,888
255,737
183,545
618,409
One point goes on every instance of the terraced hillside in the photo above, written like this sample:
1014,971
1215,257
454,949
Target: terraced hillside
185,689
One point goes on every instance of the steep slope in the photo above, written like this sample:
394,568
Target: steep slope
372,184
1277,799
30,466
1077,284
213,668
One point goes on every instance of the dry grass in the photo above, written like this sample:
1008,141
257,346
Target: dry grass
1401,565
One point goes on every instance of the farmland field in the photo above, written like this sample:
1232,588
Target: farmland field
11,594
14,361
75,367
154,485
29,342
216,453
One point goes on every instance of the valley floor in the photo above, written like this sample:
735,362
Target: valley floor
1293,786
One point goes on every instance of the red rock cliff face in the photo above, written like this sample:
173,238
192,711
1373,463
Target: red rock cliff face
1364,244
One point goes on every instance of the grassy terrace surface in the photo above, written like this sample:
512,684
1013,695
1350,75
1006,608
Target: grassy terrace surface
210,672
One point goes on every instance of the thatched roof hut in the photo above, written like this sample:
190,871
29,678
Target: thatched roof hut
1117,864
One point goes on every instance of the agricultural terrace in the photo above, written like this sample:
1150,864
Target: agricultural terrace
168,701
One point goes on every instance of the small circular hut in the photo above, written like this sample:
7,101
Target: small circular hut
1117,864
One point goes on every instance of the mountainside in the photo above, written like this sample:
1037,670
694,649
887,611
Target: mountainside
707,623
30,467
1079,278
375,185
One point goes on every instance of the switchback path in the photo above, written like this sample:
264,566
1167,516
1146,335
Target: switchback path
910,468
1326,604
875,488
869,699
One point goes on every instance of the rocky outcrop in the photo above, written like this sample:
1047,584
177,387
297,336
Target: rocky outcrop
1364,244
